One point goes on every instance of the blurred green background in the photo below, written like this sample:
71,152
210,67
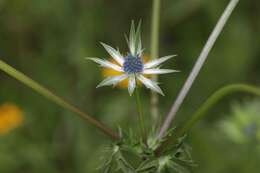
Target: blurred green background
48,40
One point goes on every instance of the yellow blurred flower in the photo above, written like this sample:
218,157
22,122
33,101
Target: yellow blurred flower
107,72
11,117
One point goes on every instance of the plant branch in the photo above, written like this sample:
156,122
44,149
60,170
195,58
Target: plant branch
52,97
215,98
206,106
155,27
198,65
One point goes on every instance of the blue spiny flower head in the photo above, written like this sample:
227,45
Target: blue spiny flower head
132,66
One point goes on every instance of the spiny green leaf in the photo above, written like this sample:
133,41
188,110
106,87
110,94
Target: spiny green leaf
122,164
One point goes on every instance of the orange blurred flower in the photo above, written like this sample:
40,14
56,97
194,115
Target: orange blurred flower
107,72
11,117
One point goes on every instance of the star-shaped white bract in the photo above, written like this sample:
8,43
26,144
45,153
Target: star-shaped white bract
132,66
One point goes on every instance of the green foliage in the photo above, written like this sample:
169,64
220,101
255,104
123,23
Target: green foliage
131,155
242,126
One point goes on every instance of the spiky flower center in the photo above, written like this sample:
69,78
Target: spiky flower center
133,64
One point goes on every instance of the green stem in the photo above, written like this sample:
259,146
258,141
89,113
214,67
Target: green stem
202,111
140,114
215,98
52,97
155,26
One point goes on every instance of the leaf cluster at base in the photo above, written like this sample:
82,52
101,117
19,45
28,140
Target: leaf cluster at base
131,155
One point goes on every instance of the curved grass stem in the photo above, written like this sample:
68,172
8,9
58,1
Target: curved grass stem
52,97
215,98
206,106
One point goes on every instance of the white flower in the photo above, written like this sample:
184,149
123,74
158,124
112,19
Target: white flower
132,66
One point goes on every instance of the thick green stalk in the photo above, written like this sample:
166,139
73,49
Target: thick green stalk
52,97
140,114
155,26
215,98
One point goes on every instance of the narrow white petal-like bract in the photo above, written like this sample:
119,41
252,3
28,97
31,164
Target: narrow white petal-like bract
134,41
115,54
138,40
131,40
158,71
139,48
105,63
155,63
150,84
112,80
131,84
